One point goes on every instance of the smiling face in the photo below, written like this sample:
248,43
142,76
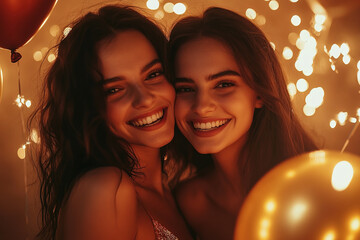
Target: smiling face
139,98
214,106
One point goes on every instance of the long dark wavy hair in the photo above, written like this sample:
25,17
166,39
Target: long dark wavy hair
75,137
275,133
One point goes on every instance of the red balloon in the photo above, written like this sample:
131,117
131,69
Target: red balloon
21,19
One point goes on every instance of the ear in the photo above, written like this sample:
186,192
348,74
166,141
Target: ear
258,102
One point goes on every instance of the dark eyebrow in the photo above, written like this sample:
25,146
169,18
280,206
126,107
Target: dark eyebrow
150,64
223,73
144,69
210,77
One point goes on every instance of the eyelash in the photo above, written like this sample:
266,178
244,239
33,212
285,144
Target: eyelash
226,83
220,85
111,91
157,72
183,89
152,75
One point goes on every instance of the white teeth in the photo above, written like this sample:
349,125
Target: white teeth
209,125
148,120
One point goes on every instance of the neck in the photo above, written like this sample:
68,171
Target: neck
150,168
227,164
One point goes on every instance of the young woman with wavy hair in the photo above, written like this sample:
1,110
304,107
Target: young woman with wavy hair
105,114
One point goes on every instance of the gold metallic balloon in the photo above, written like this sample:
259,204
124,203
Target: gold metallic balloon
314,196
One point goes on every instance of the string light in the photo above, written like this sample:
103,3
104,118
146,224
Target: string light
319,21
287,53
346,59
292,37
273,45
152,4
37,56
54,30
169,7
250,13
332,123
274,5
295,20
291,87
342,116
260,20
308,110
66,31
159,15
302,85
51,57
179,8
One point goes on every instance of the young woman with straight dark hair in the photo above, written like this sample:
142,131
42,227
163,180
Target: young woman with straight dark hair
234,116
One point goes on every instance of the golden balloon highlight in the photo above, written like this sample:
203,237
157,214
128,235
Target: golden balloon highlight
312,196
1,83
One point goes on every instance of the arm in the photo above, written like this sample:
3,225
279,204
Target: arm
102,205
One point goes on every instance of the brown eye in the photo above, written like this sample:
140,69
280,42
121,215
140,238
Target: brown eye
225,85
111,91
155,74
183,89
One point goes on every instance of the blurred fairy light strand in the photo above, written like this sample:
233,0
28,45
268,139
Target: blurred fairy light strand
307,45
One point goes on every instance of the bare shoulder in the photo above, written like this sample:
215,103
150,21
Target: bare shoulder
102,205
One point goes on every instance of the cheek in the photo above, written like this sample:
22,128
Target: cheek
181,108
168,92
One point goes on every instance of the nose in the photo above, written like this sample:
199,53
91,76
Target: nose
142,97
204,104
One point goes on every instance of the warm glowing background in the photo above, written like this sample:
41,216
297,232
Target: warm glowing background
316,40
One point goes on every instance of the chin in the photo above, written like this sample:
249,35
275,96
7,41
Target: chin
158,143
206,149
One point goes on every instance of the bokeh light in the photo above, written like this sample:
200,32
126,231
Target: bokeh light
315,98
295,20
260,20
333,123
346,59
342,117
37,56
274,5
152,4
179,8
250,13
21,152
308,110
302,85
287,53
51,57
291,87
54,30
66,31
169,7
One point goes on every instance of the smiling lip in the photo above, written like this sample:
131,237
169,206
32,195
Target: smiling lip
208,128
150,121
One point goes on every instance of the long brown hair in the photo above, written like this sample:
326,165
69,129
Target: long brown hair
75,137
275,133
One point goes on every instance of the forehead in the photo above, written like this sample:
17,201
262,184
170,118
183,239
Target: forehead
204,53
128,49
